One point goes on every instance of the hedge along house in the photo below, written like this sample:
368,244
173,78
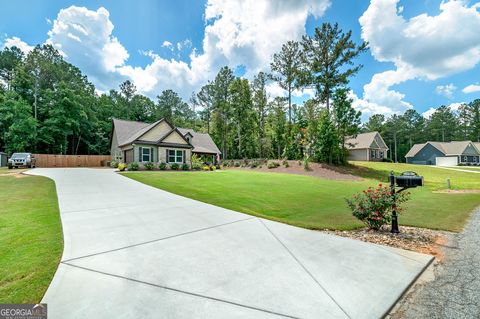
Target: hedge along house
444,153
158,142
366,147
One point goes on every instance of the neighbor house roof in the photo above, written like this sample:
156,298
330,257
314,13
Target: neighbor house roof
202,142
128,132
363,140
447,148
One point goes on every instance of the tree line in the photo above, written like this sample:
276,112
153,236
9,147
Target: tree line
401,132
48,106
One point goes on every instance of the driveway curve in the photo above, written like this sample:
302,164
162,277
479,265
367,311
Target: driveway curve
134,251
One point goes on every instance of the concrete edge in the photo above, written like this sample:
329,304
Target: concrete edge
407,288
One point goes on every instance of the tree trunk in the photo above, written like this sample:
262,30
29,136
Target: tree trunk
290,104
395,142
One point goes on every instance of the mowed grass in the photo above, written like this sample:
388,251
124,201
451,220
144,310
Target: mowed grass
435,178
306,201
30,237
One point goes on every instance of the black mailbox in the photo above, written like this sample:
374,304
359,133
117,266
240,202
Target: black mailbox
409,179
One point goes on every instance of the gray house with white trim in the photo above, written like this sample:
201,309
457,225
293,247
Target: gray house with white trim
133,141
445,153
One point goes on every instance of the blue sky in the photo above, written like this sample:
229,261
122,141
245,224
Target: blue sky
424,53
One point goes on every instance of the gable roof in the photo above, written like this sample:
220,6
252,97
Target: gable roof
363,140
128,132
202,142
125,129
447,148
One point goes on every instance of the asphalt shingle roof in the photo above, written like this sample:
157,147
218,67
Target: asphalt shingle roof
201,142
129,131
361,141
447,148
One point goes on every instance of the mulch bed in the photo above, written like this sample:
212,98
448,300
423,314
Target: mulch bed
421,240
316,170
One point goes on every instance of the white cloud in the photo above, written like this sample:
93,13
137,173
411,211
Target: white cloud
453,106
85,38
16,42
236,33
423,47
446,90
472,88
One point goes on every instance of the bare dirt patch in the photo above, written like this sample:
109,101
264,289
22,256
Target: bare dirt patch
296,167
421,240
15,173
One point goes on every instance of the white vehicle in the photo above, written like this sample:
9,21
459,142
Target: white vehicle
21,159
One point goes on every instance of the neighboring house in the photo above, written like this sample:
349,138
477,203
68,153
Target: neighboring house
444,153
158,142
366,147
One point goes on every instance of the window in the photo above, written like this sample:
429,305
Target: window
381,154
372,153
146,154
175,156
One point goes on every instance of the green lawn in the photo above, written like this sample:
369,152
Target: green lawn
468,168
435,178
312,202
31,238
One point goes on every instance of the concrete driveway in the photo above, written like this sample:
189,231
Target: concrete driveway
133,251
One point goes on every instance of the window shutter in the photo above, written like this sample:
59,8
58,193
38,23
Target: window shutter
166,158
139,154
151,155
183,157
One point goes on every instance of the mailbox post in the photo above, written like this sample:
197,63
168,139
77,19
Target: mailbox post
406,180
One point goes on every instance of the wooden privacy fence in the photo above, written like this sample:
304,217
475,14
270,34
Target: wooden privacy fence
51,160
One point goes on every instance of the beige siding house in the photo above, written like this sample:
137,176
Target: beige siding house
366,147
158,142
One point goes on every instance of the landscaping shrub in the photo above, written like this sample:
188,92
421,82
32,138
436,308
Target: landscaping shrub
236,164
133,166
174,166
218,166
185,167
149,166
374,206
122,166
206,168
273,165
253,164
196,162
306,164
285,163
114,164
162,166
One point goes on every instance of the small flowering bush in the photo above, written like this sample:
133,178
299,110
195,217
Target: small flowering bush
122,167
374,206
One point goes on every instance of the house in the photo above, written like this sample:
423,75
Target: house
366,147
444,153
133,141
